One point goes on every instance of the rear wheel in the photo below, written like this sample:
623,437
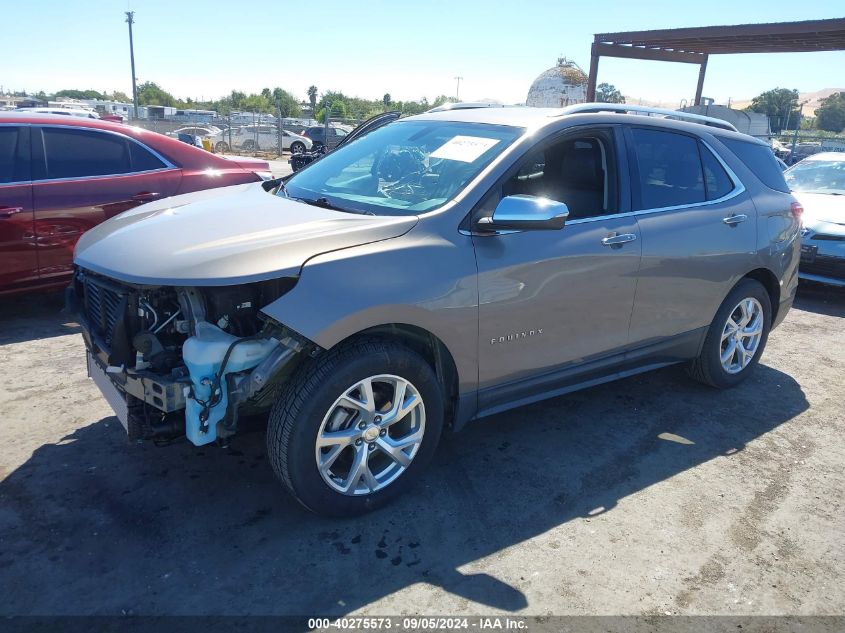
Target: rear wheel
356,427
221,147
736,338
248,145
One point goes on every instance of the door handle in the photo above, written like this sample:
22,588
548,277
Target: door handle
733,220
145,196
618,239
7,212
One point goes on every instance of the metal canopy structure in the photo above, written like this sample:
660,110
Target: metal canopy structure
695,45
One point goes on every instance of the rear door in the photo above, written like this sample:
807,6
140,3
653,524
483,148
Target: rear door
698,231
82,177
18,259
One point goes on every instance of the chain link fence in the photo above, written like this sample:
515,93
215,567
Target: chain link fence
253,133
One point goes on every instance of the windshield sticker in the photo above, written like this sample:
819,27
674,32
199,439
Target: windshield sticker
465,149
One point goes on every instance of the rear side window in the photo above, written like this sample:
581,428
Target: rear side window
79,153
669,169
8,153
716,179
761,161
143,159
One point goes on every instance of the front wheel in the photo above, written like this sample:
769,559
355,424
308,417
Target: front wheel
297,147
356,427
736,337
221,147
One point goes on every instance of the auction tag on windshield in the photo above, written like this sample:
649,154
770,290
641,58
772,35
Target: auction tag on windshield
464,148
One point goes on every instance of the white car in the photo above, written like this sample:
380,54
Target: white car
80,112
257,137
214,134
818,182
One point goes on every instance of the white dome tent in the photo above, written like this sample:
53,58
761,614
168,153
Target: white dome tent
562,85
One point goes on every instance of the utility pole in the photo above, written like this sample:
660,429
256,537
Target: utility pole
795,136
458,89
130,19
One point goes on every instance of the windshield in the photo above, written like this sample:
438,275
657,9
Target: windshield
817,176
403,168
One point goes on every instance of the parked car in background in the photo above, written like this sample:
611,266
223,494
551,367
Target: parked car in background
62,175
317,134
198,133
298,161
818,182
78,112
266,137
441,268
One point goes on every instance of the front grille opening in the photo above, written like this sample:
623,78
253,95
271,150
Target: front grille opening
104,305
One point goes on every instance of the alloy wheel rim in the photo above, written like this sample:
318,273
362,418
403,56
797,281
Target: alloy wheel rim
370,435
741,335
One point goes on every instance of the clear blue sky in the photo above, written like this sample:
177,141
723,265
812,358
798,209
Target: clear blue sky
206,48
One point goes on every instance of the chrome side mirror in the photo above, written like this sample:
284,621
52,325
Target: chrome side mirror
525,213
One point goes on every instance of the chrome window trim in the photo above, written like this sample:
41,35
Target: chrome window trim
168,166
738,189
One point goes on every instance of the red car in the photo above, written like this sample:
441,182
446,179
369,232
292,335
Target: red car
60,176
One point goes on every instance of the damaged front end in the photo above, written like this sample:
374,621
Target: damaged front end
185,360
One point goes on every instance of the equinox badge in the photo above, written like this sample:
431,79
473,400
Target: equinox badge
516,336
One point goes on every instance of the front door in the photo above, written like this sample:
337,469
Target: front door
549,300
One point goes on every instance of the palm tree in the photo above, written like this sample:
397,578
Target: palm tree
312,97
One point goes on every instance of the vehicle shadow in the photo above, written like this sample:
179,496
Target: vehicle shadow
821,299
94,524
35,316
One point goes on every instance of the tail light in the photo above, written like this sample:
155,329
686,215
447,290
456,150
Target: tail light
797,210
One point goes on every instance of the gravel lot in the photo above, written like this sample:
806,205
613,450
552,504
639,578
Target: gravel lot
648,496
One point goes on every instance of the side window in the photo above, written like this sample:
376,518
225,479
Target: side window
669,169
339,132
142,159
8,153
579,171
74,153
760,160
716,179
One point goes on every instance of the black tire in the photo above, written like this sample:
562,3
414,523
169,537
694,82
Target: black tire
222,147
248,145
707,368
297,147
298,413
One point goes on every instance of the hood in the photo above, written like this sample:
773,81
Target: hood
224,236
823,213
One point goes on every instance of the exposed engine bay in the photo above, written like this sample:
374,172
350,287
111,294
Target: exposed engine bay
186,360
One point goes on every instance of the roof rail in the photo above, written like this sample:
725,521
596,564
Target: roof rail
466,105
648,111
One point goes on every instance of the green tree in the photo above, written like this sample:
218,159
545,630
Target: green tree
121,96
286,102
149,93
386,100
780,105
312,97
607,93
79,94
439,101
830,115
